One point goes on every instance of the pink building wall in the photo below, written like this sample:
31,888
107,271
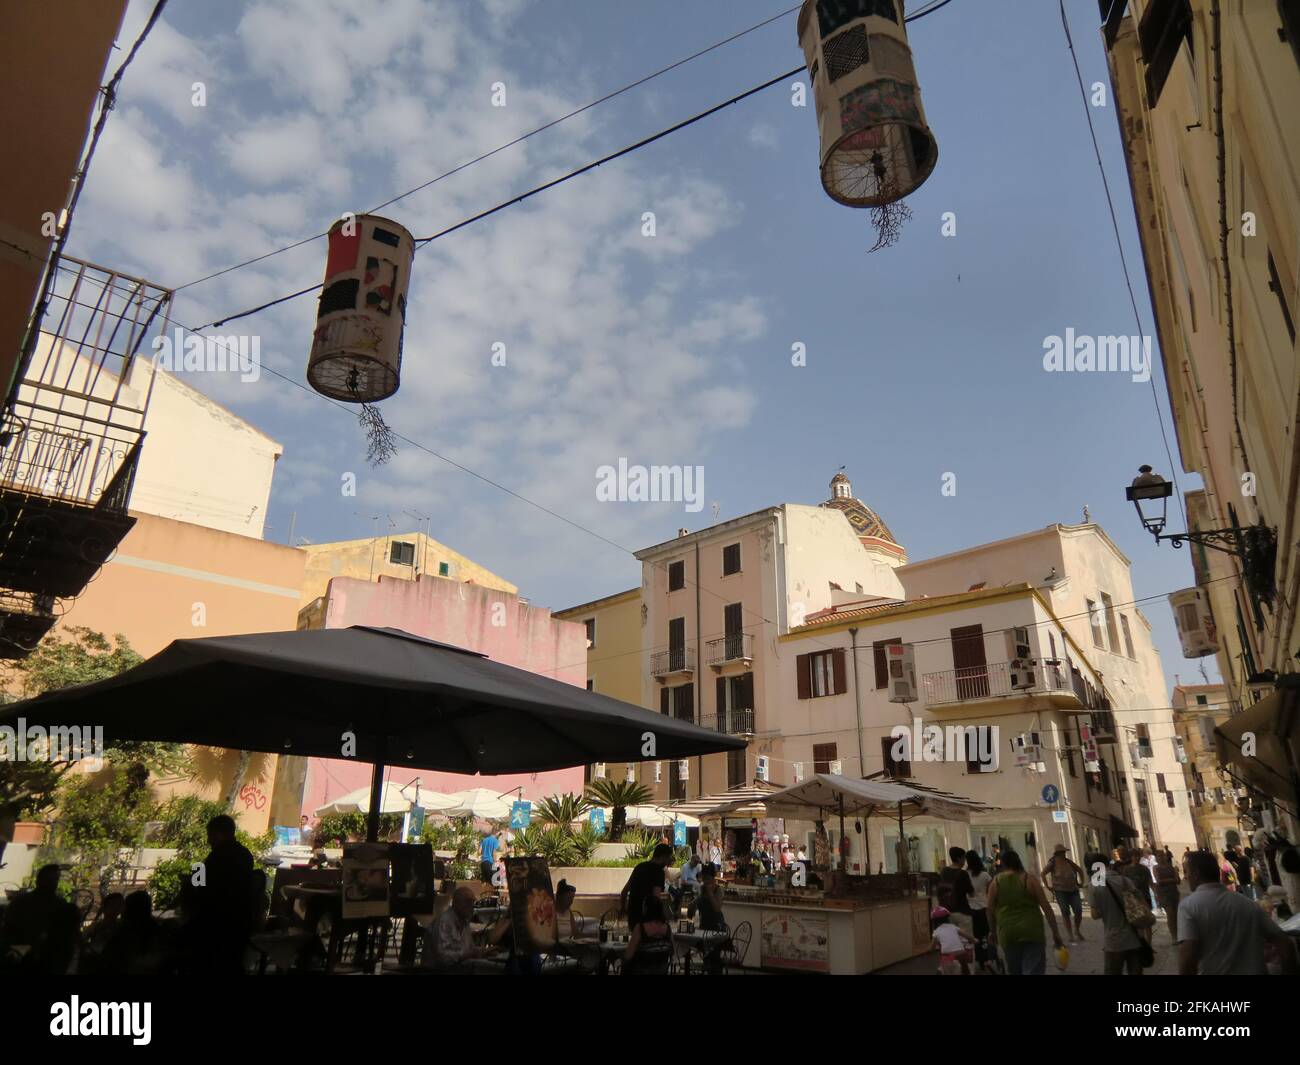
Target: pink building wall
438,608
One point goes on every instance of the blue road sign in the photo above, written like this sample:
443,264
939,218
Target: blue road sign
679,833
598,819
520,814
1050,794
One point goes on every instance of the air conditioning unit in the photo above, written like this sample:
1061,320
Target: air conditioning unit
598,771
1196,628
901,659
1026,748
798,772
659,772
684,769
1021,671
1018,643
631,774
761,767
836,767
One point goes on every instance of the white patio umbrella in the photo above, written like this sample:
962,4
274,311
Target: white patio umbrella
482,803
650,816
396,800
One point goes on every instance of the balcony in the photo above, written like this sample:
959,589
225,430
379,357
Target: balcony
70,442
998,680
675,662
734,722
736,649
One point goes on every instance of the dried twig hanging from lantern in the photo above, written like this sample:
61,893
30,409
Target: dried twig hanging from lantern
356,351
876,147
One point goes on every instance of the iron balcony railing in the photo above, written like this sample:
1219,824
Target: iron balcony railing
673,660
994,680
91,465
734,722
735,647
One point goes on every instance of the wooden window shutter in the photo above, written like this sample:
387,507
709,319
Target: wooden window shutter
841,674
747,691
803,671
721,686
665,694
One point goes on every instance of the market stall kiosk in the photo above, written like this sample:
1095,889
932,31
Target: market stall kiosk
814,919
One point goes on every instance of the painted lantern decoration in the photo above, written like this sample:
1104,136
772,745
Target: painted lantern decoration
875,145
356,351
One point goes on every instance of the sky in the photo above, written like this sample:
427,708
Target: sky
922,360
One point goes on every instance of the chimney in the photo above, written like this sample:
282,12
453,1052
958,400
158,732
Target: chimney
683,532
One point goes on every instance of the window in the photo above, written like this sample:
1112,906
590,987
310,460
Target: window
1112,630
736,772
1165,25
1275,287
882,662
1094,618
444,569
735,636
978,740
677,643
401,553
678,702
1202,700
676,576
676,785
822,673
591,631
1069,755
893,768
1128,635
823,755
730,559
1289,12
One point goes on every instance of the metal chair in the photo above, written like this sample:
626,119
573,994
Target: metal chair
733,954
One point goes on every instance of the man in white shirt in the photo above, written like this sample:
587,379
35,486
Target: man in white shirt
449,944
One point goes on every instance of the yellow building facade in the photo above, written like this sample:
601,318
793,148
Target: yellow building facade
1198,709
397,556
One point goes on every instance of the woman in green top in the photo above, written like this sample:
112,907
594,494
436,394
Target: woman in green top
1015,901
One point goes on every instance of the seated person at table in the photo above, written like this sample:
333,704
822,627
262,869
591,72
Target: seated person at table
566,922
42,921
449,944
101,932
139,946
709,904
688,882
650,947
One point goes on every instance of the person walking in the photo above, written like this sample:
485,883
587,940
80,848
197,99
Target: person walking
955,889
1126,862
1245,868
488,856
1167,881
1123,941
979,905
1065,879
1187,853
1017,906
1227,873
1148,862
1222,933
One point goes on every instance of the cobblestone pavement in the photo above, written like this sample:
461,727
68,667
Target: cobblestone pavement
1085,958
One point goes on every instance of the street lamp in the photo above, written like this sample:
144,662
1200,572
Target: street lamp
1146,488
1255,546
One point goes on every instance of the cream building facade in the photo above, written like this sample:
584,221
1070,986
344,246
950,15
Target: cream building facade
741,622
1205,94
1212,795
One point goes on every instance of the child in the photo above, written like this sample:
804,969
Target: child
953,944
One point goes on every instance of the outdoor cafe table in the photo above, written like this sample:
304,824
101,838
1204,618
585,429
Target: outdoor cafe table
698,940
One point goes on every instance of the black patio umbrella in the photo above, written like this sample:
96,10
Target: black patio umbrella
379,695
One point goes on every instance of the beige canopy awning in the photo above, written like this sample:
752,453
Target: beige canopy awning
744,800
1262,744
826,794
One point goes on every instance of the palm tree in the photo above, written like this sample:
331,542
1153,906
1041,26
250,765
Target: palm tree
562,809
620,794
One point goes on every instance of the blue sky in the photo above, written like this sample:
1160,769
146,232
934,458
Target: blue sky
922,359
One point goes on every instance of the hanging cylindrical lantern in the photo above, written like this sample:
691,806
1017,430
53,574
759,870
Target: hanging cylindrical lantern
356,351
875,145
